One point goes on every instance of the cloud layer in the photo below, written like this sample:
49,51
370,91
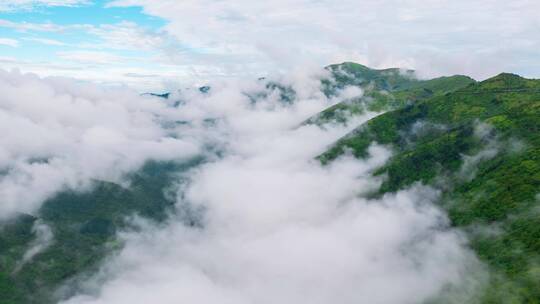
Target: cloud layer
195,40
13,5
273,225
57,133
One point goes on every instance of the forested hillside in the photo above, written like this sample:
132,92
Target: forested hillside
478,143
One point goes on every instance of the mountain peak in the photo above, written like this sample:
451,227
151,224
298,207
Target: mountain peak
357,67
505,81
508,76
349,66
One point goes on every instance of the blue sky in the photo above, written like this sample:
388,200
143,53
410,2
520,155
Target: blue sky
152,44
88,41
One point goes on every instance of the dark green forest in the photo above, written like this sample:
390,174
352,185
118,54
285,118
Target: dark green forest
433,136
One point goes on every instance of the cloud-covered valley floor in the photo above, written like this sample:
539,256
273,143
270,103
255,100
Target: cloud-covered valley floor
260,220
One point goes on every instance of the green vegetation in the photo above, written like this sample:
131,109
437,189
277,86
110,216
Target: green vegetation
382,90
84,226
439,129
285,93
432,137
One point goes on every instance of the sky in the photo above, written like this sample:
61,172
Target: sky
155,44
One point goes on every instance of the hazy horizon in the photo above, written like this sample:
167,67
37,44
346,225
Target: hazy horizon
156,45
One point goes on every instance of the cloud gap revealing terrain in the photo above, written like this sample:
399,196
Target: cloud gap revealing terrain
338,185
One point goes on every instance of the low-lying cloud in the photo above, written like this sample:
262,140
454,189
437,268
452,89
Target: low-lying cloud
273,225
44,237
57,133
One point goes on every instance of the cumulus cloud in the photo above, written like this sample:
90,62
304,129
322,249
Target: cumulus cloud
110,53
266,223
389,251
29,26
57,133
123,35
128,35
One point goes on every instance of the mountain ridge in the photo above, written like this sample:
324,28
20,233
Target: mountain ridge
478,139
495,124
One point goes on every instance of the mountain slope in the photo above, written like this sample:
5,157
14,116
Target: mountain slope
476,142
84,226
382,90
480,146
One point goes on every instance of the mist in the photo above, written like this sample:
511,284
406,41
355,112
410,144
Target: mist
259,221
44,238
63,134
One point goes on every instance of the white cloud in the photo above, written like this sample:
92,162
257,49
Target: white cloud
46,41
276,226
475,37
89,57
273,225
57,133
16,5
29,26
9,42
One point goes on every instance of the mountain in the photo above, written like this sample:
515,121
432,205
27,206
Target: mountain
478,143
84,226
382,90
484,141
